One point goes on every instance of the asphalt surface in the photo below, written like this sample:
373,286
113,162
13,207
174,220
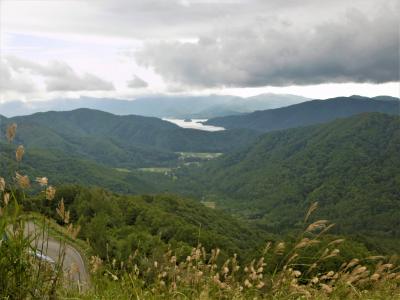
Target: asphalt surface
73,263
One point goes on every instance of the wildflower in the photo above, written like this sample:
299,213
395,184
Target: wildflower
43,181
2,184
19,153
22,180
11,131
50,193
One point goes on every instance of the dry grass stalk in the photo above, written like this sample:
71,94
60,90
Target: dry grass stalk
312,208
22,180
11,132
62,213
317,225
6,199
50,193
2,184
43,181
19,153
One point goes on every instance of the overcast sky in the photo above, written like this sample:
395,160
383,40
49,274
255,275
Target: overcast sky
125,48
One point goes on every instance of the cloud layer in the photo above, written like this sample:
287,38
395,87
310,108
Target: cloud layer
355,47
58,48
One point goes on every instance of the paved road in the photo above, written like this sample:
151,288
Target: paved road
73,262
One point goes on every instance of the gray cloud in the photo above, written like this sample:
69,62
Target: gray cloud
59,76
137,82
352,47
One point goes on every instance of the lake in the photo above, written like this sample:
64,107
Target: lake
194,124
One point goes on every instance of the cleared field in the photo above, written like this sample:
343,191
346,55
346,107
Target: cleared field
199,155
155,170
122,170
209,204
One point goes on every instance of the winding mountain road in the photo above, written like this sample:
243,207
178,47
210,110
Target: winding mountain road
73,263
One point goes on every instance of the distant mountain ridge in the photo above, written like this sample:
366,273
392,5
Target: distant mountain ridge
202,107
308,113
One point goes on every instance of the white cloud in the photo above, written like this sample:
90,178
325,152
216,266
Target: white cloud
59,76
13,81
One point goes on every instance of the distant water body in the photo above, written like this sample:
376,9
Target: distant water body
194,124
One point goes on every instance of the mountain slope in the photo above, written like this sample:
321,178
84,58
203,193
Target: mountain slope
117,225
350,166
308,113
120,141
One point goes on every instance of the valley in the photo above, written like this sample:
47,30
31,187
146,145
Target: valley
150,185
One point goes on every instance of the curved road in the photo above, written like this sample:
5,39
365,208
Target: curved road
73,262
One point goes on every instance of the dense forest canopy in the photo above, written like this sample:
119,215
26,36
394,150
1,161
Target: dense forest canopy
350,166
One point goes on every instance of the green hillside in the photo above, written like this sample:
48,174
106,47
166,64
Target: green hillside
120,141
62,168
308,113
350,166
148,223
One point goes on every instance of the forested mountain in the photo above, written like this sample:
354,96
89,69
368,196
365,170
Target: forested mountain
350,166
149,223
161,106
120,141
308,113
72,169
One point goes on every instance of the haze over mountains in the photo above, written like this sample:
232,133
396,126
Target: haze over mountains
161,106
